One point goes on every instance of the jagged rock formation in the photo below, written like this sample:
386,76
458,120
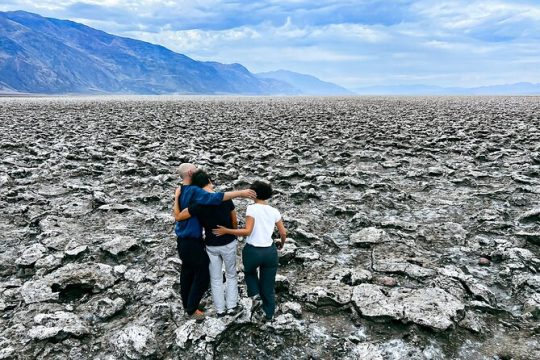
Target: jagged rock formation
414,226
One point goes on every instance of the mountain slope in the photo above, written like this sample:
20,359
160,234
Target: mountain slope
45,55
306,84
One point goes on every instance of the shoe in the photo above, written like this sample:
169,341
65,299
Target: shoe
222,314
235,310
198,315
257,317
267,319
256,303
202,305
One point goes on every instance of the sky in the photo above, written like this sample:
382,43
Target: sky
353,43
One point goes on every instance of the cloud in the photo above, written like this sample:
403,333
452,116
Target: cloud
485,20
351,42
220,15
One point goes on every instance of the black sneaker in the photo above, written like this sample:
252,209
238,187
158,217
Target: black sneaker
256,303
257,317
202,305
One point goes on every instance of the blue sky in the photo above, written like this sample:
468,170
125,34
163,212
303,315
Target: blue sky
352,43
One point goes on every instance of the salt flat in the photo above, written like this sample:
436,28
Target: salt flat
414,225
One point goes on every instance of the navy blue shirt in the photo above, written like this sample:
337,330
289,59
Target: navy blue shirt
194,195
212,216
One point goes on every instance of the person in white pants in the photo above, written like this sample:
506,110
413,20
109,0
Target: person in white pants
221,250
219,256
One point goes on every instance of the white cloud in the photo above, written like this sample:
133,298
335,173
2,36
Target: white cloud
465,15
197,41
370,34
443,42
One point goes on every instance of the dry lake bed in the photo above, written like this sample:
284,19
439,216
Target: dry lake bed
414,226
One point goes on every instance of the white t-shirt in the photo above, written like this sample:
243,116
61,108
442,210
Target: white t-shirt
266,218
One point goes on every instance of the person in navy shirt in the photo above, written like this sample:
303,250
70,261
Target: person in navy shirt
220,249
194,273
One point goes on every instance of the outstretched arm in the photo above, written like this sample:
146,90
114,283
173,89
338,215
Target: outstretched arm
203,197
250,222
248,194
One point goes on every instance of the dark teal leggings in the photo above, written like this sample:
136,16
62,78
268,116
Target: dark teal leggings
266,260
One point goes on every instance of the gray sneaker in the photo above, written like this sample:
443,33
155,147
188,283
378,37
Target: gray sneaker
235,310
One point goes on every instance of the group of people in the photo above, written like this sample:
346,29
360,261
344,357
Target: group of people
204,254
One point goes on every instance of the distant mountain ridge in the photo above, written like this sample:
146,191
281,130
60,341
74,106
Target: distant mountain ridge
51,56
307,84
522,88
45,55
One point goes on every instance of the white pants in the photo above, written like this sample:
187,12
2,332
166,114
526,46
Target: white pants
220,255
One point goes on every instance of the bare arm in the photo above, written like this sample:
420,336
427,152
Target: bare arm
183,215
248,193
179,215
234,219
203,197
250,222
282,233
176,207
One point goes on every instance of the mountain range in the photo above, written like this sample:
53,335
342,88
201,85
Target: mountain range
307,84
51,56
522,88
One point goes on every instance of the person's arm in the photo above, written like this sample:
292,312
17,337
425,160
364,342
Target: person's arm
176,205
282,234
247,194
179,215
250,222
234,219
182,215
203,197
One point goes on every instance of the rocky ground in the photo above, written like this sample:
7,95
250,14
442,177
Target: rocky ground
414,226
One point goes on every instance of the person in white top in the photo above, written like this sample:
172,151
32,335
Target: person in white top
260,251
